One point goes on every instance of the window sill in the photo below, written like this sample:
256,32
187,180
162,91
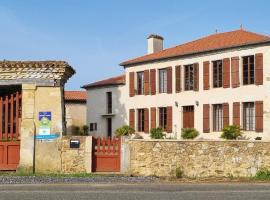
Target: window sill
108,115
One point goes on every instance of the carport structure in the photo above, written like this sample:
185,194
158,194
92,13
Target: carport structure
28,88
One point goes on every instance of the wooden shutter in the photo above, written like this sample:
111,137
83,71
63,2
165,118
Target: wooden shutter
196,77
131,84
146,120
178,78
132,118
226,72
259,116
225,114
153,81
259,69
153,117
206,117
169,80
206,75
146,82
169,119
235,72
236,113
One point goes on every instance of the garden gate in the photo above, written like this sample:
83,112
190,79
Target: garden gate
10,114
106,154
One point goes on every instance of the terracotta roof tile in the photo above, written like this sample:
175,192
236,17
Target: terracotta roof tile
215,41
118,80
75,95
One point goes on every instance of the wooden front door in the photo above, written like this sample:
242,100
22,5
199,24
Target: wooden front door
188,116
10,115
106,154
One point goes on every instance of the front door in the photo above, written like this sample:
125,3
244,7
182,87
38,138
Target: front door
188,116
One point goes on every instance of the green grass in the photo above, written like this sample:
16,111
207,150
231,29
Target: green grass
262,175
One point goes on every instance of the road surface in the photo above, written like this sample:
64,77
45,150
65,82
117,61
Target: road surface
151,191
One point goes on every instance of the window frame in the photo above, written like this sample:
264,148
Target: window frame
109,102
189,77
140,120
251,116
162,117
250,79
140,83
163,80
217,117
217,71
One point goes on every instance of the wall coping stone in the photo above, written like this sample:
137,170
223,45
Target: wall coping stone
182,141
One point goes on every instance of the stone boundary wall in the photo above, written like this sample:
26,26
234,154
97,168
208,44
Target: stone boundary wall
76,160
198,158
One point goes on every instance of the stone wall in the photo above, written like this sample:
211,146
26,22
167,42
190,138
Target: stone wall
198,158
76,160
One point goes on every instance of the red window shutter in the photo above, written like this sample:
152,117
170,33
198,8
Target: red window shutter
236,113
153,117
169,119
259,116
131,84
146,82
153,81
169,80
235,72
206,75
226,72
146,120
225,114
132,118
259,69
206,121
178,78
196,76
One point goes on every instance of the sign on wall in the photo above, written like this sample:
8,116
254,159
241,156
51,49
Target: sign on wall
45,123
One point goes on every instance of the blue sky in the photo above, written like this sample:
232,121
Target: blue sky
94,36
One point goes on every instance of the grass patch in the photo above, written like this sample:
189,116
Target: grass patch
262,175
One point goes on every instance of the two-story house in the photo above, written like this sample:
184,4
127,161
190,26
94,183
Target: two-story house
207,84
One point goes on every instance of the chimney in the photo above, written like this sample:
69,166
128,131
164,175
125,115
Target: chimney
154,43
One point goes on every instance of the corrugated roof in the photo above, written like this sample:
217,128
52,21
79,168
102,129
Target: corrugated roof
118,80
215,41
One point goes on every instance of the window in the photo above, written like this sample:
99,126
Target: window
189,77
140,83
217,117
248,70
109,127
163,81
93,127
249,116
217,74
109,102
163,118
141,120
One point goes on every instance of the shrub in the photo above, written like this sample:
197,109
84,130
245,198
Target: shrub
231,132
263,174
157,133
75,130
80,131
124,131
179,173
189,133
85,129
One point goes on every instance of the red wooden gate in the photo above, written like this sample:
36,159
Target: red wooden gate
106,154
10,114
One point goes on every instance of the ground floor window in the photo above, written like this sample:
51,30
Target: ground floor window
249,116
141,120
217,117
163,117
109,127
93,127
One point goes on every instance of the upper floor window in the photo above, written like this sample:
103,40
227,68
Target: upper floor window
141,120
189,77
249,116
163,82
109,102
248,70
140,83
217,117
217,74
163,117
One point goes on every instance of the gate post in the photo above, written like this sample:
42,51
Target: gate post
125,155
27,128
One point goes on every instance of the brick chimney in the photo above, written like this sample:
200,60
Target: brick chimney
154,43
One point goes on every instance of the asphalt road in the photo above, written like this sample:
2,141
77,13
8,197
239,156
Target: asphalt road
151,191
